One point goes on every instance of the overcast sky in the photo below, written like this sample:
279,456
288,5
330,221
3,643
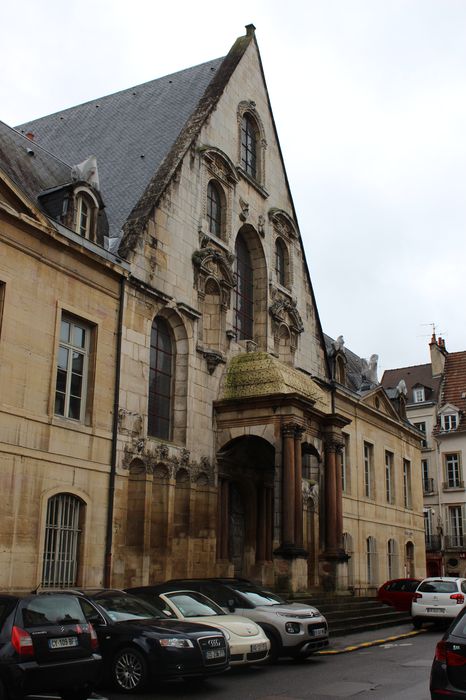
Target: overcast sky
369,98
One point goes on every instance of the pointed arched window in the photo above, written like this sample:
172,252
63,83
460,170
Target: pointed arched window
160,380
244,296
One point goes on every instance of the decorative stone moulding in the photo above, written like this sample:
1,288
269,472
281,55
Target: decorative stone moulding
283,223
219,165
212,262
163,461
213,358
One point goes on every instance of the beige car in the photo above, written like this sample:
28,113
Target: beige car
247,641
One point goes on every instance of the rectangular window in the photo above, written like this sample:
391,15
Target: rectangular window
453,471
2,301
72,369
422,427
389,491
419,395
427,481
449,422
407,483
456,526
428,525
368,470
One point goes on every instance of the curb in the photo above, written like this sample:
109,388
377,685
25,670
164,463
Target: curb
364,645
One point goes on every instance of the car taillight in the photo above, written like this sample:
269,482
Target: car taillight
416,596
94,640
454,659
22,642
459,597
441,651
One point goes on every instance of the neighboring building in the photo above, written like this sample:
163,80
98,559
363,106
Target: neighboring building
383,528
436,404
59,308
229,426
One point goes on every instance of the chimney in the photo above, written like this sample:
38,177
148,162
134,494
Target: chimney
30,135
438,353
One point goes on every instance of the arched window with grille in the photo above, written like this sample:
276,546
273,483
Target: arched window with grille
371,559
244,295
62,541
162,358
392,559
214,208
249,145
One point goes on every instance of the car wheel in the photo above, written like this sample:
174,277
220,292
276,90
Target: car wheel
81,693
417,623
129,670
275,647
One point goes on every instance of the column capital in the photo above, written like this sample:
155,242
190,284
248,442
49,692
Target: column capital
334,444
292,429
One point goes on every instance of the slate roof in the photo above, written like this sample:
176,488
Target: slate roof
454,384
130,132
413,376
355,375
32,172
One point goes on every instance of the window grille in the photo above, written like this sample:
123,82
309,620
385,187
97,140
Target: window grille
62,536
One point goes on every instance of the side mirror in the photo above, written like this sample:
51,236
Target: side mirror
231,605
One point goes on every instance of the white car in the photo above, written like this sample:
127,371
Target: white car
247,641
439,598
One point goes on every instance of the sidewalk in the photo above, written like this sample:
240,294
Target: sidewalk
351,642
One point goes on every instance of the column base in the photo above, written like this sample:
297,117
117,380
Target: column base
291,575
290,551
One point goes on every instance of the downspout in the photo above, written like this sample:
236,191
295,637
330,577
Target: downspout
113,458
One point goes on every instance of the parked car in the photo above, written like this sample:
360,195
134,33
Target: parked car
448,673
46,646
247,641
398,592
438,599
138,643
294,629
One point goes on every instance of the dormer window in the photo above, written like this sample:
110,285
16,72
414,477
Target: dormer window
449,422
85,214
419,395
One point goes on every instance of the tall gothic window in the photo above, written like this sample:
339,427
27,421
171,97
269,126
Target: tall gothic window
214,208
160,380
249,146
244,300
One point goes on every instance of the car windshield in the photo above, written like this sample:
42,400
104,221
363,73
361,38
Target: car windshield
194,604
257,596
128,607
438,587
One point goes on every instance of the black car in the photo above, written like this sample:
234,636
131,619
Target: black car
448,673
46,646
138,643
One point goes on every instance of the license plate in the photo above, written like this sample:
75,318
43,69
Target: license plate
62,642
319,632
261,646
435,610
215,653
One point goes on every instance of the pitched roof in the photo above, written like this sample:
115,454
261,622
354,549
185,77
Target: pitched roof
355,368
130,132
413,376
454,383
30,166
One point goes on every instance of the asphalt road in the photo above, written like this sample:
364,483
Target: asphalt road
394,671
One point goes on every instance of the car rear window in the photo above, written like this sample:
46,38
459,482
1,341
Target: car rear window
51,610
438,587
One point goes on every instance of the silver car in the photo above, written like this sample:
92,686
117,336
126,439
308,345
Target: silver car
437,599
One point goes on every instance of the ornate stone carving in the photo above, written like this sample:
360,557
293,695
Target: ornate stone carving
129,422
261,225
244,213
283,223
163,461
213,263
283,310
219,165
212,357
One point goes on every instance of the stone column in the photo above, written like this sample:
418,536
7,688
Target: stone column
298,491
270,524
330,497
261,523
288,485
339,497
224,519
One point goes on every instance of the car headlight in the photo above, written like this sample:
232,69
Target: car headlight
177,642
300,616
226,633
293,627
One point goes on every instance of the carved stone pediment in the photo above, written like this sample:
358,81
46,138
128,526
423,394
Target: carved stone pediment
284,310
219,165
212,263
283,223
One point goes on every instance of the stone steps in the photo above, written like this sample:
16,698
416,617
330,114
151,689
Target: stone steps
347,614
